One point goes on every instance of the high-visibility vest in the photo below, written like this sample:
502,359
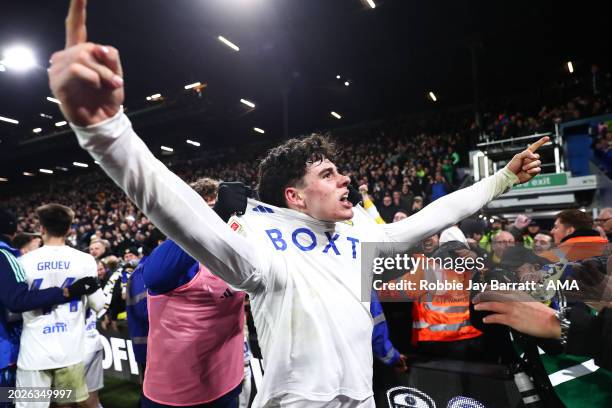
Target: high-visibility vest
446,317
577,249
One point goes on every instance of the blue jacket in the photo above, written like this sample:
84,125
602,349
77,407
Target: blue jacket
16,297
381,345
137,312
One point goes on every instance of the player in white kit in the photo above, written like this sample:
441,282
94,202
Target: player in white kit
53,340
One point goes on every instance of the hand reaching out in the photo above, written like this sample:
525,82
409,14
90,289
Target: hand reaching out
526,164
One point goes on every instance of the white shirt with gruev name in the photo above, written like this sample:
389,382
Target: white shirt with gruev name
54,337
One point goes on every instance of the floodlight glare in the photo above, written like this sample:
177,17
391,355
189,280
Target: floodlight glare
19,58
167,149
336,115
371,3
50,99
247,103
61,123
258,130
9,120
570,67
79,164
37,130
432,96
228,43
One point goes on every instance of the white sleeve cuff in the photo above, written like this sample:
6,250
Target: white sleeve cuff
509,179
98,137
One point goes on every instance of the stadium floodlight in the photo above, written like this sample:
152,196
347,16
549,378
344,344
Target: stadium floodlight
193,143
97,162
570,67
259,130
61,168
9,120
44,115
338,77
3,179
336,115
61,123
46,171
247,103
432,96
167,149
50,99
346,83
371,3
28,174
18,58
194,85
36,130
228,43
79,164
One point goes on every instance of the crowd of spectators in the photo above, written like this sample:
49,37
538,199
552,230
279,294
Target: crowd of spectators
406,163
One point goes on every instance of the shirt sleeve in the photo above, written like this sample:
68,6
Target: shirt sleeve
381,344
371,209
15,294
168,267
450,209
96,300
171,204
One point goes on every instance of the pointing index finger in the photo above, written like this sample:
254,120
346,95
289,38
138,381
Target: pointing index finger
538,144
76,30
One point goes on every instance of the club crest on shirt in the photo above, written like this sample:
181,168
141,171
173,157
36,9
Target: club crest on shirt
235,225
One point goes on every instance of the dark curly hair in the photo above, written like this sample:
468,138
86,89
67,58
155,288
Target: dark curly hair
285,166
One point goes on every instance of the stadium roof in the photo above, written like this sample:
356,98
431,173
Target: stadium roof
391,56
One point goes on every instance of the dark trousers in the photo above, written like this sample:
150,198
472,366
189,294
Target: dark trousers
7,379
229,400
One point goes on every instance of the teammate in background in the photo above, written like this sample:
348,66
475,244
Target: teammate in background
26,242
52,341
136,303
92,360
15,297
211,316
315,332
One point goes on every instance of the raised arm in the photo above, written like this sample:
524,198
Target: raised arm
169,202
87,79
454,207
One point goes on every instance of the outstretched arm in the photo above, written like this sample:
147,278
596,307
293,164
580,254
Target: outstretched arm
456,206
169,202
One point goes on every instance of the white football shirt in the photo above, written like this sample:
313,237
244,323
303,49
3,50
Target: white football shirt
54,338
303,275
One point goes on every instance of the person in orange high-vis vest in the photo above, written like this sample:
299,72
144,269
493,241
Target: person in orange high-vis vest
575,238
441,324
